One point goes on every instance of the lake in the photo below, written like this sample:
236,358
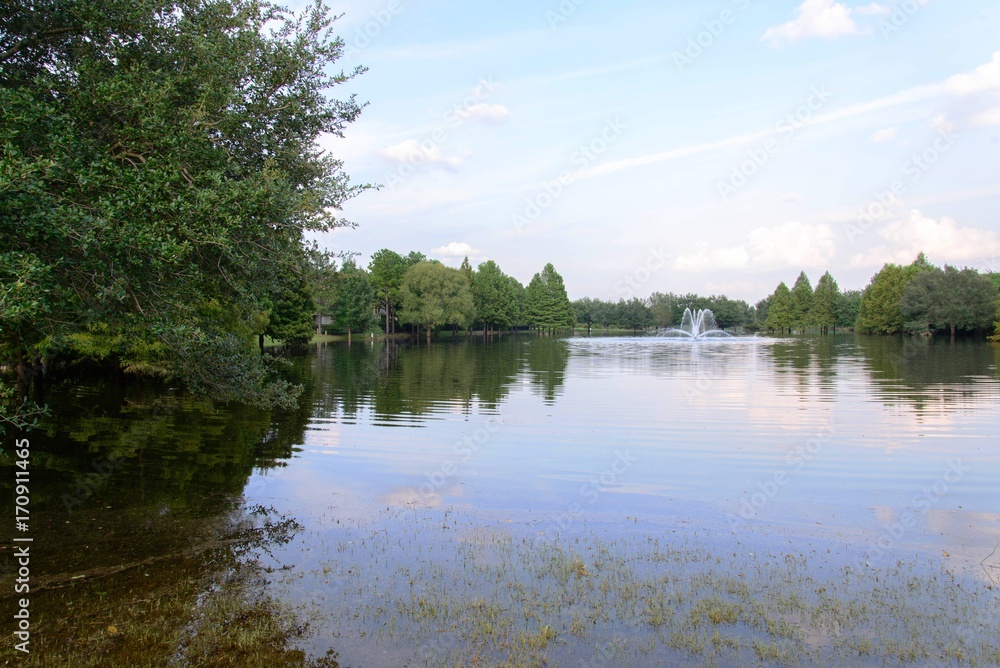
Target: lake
515,501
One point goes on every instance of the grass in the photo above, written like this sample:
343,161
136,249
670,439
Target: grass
503,598
432,589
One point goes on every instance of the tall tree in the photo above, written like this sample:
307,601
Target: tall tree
824,303
354,309
386,271
781,311
433,294
161,155
494,296
802,294
546,304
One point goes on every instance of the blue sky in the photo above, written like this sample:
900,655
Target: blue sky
710,147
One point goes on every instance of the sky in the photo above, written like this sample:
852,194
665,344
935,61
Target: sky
711,147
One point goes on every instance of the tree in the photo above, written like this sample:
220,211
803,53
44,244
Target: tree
760,312
355,299
290,315
879,311
661,306
583,312
161,156
780,313
494,296
386,271
824,303
546,305
802,294
433,294
949,299
847,307
634,314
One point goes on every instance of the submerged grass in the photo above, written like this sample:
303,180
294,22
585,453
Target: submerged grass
468,595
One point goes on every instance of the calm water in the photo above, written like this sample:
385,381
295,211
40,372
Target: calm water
865,450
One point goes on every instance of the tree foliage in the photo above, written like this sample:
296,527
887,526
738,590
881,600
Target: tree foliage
823,312
433,294
386,271
781,310
949,299
355,298
495,297
802,294
880,311
546,305
160,156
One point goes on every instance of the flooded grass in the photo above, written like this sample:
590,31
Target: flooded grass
427,593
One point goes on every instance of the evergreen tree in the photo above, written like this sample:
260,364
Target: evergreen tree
802,294
494,296
780,313
546,304
824,303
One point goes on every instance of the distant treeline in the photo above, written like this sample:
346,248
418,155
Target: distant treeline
916,298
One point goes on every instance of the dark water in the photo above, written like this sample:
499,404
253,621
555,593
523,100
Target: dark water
876,447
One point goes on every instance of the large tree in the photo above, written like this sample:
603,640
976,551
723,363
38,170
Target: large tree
949,299
802,294
880,310
824,303
159,156
355,299
780,312
495,297
546,305
433,294
386,271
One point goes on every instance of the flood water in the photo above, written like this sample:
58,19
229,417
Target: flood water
429,482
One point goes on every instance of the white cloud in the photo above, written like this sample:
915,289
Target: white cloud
789,244
941,124
415,153
943,240
491,113
820,18
884,135
983,78
988,117
456,249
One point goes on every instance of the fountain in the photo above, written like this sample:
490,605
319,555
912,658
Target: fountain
699,324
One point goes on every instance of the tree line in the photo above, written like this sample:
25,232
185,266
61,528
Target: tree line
411,291
918,298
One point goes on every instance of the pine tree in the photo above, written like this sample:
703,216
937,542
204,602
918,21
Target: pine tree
824,303
780,310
